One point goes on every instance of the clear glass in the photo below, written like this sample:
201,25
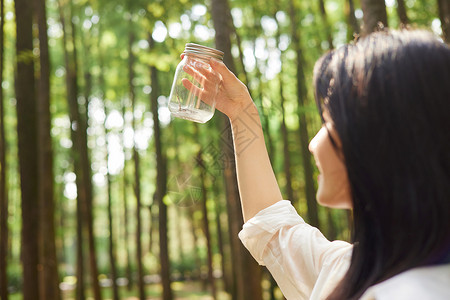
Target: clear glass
185,103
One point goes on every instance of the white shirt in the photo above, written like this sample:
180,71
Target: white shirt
308,266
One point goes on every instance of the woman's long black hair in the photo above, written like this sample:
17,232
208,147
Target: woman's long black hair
389,98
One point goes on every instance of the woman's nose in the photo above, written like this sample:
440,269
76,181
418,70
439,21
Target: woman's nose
313,144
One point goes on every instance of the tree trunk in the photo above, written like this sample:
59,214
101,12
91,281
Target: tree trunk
286,154
81,280
284,131
374,14
259,98
137,192
179,213
332,232
180,245
60,207
241,54
125,206
72,92
401,11
137,176
247,271
49,279
86,169
3,189
112,251
151,226
161,184
444,16
264,116
331,229
352,23
28,148
205,220
196,274
226,272
323,14
304,139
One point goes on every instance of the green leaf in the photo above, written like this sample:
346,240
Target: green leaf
160,61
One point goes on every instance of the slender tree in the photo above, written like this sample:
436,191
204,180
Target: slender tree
241,53
126,230
223,247
352,23
303,125
205,220
231,190
374,15
324,15
137,167
49,282
444,16
265,120
3,189
61,221
28,148
111,237
150,226
285,138
86,165
247,273
72,92
284,130
161,183
196,247
401,12
180,216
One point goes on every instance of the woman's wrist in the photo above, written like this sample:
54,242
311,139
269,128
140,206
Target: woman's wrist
247,111
247,131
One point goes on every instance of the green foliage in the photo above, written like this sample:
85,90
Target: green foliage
104,29
25,57
161,61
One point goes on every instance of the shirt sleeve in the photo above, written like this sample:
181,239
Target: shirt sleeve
302,261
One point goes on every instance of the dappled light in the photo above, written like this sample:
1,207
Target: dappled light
104,194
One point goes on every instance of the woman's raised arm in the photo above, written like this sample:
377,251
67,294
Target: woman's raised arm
257,183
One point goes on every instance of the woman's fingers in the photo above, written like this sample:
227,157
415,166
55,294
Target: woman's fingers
208,79
195,90
222,69
205,82
194,73
203,94
203,74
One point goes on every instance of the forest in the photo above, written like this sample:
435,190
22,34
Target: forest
103,194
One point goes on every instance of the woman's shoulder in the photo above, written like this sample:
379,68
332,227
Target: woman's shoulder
432,282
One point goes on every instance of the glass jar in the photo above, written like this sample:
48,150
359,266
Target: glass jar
190,102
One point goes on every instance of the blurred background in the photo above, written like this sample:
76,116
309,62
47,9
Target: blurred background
103,194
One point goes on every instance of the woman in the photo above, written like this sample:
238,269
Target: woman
383,150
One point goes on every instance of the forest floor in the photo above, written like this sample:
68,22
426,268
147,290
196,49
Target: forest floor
191,290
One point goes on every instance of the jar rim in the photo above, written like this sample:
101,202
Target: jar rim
203,50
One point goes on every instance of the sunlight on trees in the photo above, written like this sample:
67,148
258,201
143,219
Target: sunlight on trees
136,191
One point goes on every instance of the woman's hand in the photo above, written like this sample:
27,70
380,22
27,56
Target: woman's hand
232,97
258,186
